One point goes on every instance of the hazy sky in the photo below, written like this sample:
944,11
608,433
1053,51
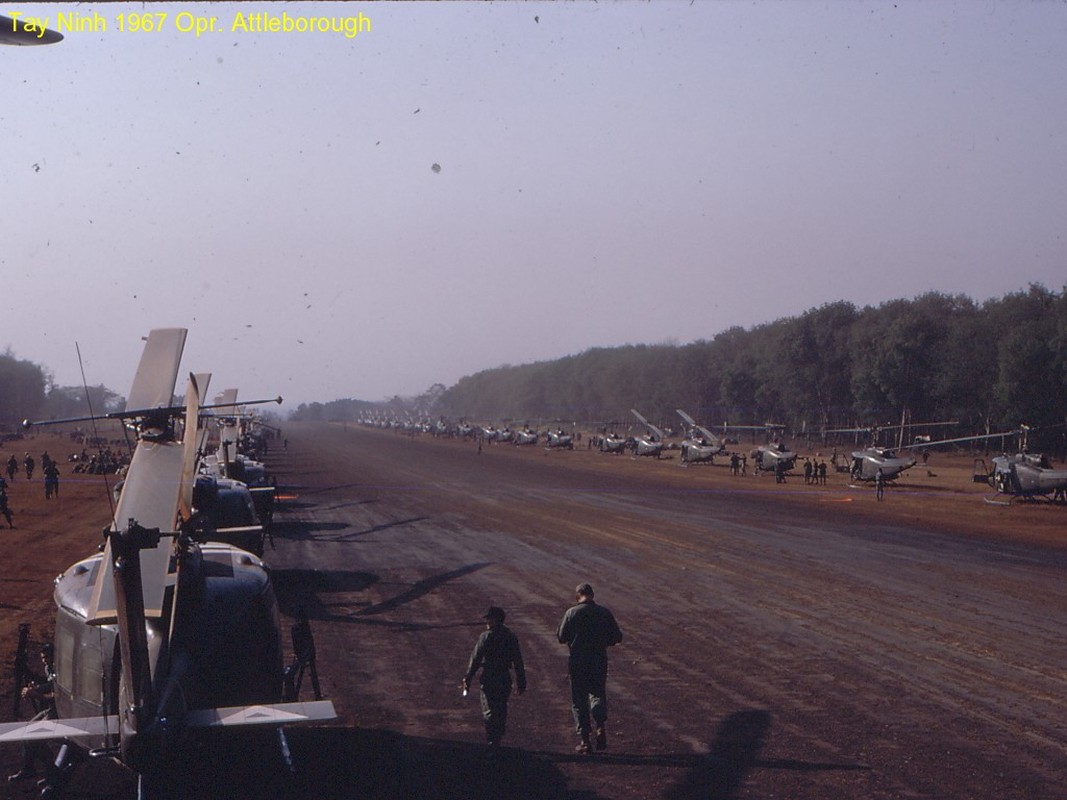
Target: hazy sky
607,173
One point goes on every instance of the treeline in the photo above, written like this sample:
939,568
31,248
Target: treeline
991,366
28,392
352,410
341,410
22,389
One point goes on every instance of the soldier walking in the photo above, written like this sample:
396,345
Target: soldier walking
495,653
588,630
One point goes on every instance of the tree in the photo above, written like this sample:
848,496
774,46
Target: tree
22,385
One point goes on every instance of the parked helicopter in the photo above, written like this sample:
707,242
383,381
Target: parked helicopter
164,633
774,456
700,445
491,433
612,443
526,436
228,460
866,463
1027,475
21,30
651,442
559,440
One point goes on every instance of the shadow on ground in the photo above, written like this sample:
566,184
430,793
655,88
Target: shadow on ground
734,755
345,764
302,591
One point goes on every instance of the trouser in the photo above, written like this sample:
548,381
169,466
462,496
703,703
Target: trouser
36,752
589,694
495,711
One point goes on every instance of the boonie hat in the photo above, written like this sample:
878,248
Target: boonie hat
494,612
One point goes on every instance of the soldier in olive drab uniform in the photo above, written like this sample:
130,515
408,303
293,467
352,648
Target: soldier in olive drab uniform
51,480
39,692
4,509
588,630
496,653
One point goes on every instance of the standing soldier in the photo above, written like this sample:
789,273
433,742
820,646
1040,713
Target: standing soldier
51,480
879,484
588,630
39,692
495,654
29,464
12,467
3,503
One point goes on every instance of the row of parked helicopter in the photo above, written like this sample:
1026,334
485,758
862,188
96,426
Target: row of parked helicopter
174,627
1021,475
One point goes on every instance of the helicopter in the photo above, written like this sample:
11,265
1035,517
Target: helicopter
165,633
525,437
559,440
775,456
612,443
229,460
651,442
1025,474
867,463
872,460
491,433
770,456
28,31
700,445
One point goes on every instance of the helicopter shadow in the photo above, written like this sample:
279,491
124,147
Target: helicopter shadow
304,531
369,764
349,504
734,755
375,529
420,588
300,590
303,591
327,489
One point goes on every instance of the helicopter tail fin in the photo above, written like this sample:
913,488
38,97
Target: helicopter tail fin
99,727
275,714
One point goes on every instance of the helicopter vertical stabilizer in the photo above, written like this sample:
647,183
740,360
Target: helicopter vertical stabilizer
152,491
157,372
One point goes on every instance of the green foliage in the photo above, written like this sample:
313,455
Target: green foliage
22,385
70,401
935,357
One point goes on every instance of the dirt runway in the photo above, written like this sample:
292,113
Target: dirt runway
780,641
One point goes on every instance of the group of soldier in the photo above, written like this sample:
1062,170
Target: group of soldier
814,472
49,470
104,462
588,630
